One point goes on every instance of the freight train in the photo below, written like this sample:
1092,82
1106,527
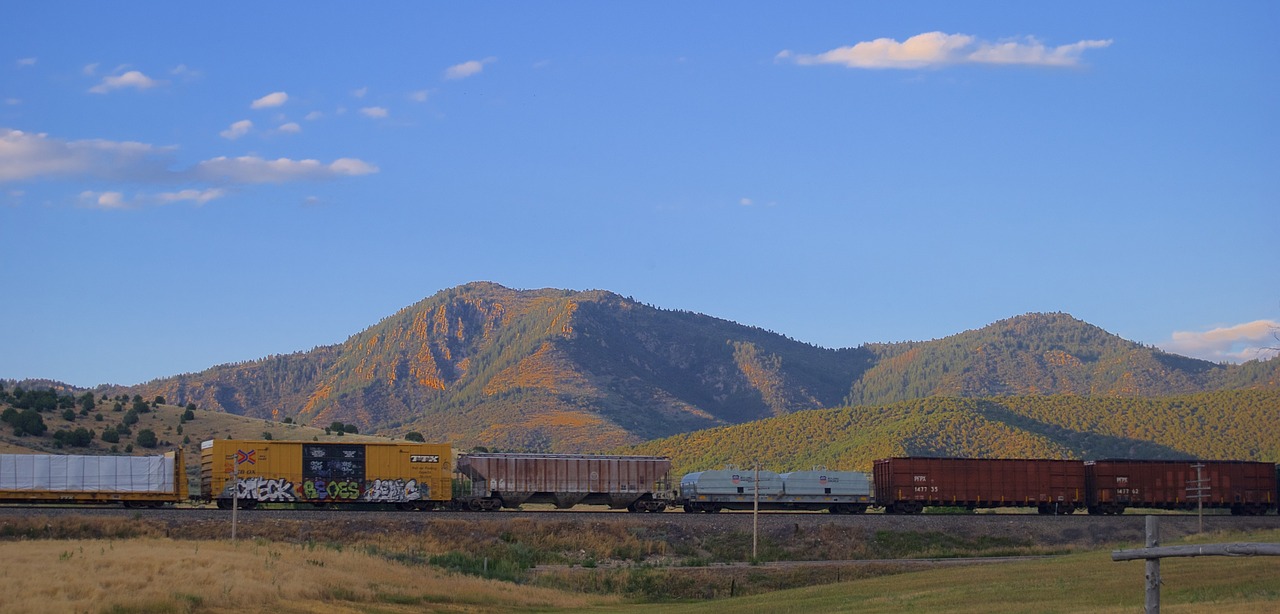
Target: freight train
429,476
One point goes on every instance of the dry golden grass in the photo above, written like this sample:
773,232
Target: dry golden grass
161,575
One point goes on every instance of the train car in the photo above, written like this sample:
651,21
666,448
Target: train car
1245,488
406,475
133,481
905,485
845,492
634,483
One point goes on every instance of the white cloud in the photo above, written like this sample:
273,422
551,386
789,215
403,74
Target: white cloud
360,92
935,49
133,79
90,69
27,62
1234,343
104,200
13,102
199,197
313,116
251,169
746,202
467,69
420,95
291,128
374,112
185,72
273,99
24,155
237,130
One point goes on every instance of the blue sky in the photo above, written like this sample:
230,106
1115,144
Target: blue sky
187,186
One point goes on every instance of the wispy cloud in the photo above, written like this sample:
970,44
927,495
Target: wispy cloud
116,200
251,169
33,157
273,99
26,62
199,197
24,155
90,69
374,112
291,128
359,93
237,130
937,49
420,95
467,69
103,200
133,79
1234,343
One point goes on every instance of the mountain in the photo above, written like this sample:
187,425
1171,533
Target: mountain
570,371
542,369
1043,353
1239,425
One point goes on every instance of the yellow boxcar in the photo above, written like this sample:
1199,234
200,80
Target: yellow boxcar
134,481
407,475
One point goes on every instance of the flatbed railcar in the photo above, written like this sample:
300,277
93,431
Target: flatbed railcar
906,485
497,480
132,481
247,473
1243,487
840,492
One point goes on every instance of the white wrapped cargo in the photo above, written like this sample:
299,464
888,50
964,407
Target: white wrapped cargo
97,474
729,482
836,483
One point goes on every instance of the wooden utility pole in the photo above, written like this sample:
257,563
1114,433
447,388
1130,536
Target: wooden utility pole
755,514
1199,489
235,495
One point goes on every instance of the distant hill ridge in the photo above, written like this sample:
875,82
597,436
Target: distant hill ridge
559,370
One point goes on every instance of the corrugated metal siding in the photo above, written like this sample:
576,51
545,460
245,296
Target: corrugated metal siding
565,473
985,482
295,471
1144,483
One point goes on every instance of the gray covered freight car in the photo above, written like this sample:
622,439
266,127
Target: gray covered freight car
634,483
843,492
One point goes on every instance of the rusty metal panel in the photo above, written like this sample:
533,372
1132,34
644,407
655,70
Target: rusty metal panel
1164,484
974,482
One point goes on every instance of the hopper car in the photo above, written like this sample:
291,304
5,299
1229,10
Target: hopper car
493,481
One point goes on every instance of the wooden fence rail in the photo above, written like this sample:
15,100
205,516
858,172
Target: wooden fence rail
1153,553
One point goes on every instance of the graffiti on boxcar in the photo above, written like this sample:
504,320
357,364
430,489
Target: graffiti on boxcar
319,489
393,491
266,489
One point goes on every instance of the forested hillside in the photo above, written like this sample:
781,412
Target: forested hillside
566,371
540,370
1238,425
1044,353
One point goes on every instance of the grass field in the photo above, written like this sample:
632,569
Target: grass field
1088,582
127,565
